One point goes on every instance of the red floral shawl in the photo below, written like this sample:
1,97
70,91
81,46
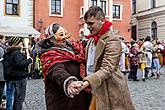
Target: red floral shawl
49,58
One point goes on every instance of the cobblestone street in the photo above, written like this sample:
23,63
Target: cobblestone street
148,95
35,95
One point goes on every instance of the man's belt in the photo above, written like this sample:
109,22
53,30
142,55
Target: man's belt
148,50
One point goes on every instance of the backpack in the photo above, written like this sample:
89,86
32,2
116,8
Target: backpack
7,66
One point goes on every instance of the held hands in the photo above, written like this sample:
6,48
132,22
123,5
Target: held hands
85,85
75,87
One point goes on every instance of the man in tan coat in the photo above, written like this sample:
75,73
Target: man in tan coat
103,51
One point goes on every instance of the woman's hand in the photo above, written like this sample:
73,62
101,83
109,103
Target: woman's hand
74,88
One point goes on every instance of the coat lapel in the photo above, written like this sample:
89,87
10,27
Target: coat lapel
100,47
87,48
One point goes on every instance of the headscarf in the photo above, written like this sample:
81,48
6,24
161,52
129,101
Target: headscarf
56,55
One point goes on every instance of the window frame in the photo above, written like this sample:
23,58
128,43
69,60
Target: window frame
81,11
105,8
153,3
120,12
154,30
12,4
50,8
94,3
134,32
133,6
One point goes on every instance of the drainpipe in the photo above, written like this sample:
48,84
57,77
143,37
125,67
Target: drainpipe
86,6
111,12
33,13
98,3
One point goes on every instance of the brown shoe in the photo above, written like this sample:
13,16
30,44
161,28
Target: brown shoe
157,76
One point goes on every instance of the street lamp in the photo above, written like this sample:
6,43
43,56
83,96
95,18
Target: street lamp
40,22
130,23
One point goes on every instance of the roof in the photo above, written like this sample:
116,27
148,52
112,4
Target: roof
19,31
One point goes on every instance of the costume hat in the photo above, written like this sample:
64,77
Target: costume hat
15,40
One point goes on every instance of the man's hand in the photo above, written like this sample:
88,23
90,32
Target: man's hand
85,85
74,88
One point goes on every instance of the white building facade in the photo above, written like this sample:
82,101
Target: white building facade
16,18
148,19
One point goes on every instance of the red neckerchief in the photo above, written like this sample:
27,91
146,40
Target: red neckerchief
49,58
140,44
104,28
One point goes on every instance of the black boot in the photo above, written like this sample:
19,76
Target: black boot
152,75
143,79
124,72
146,72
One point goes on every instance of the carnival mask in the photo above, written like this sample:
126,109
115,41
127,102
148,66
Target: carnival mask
61,34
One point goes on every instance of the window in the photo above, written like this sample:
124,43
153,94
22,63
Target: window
116,11
12,7
103,6
81,11
133,6
133,33
94,2
153,3
154,30
56,7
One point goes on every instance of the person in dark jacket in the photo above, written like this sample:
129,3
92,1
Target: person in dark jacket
2,81
63,69
16,81
133,61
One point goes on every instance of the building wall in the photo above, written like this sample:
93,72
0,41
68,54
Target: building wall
160,2
144,28
142,5
161,26
30,12
24,19
70,19
146,4
123,26
145,16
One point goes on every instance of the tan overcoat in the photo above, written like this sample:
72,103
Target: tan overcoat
107,82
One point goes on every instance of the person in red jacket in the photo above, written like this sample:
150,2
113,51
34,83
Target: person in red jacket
163,51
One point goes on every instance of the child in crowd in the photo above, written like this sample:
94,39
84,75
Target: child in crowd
133,62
